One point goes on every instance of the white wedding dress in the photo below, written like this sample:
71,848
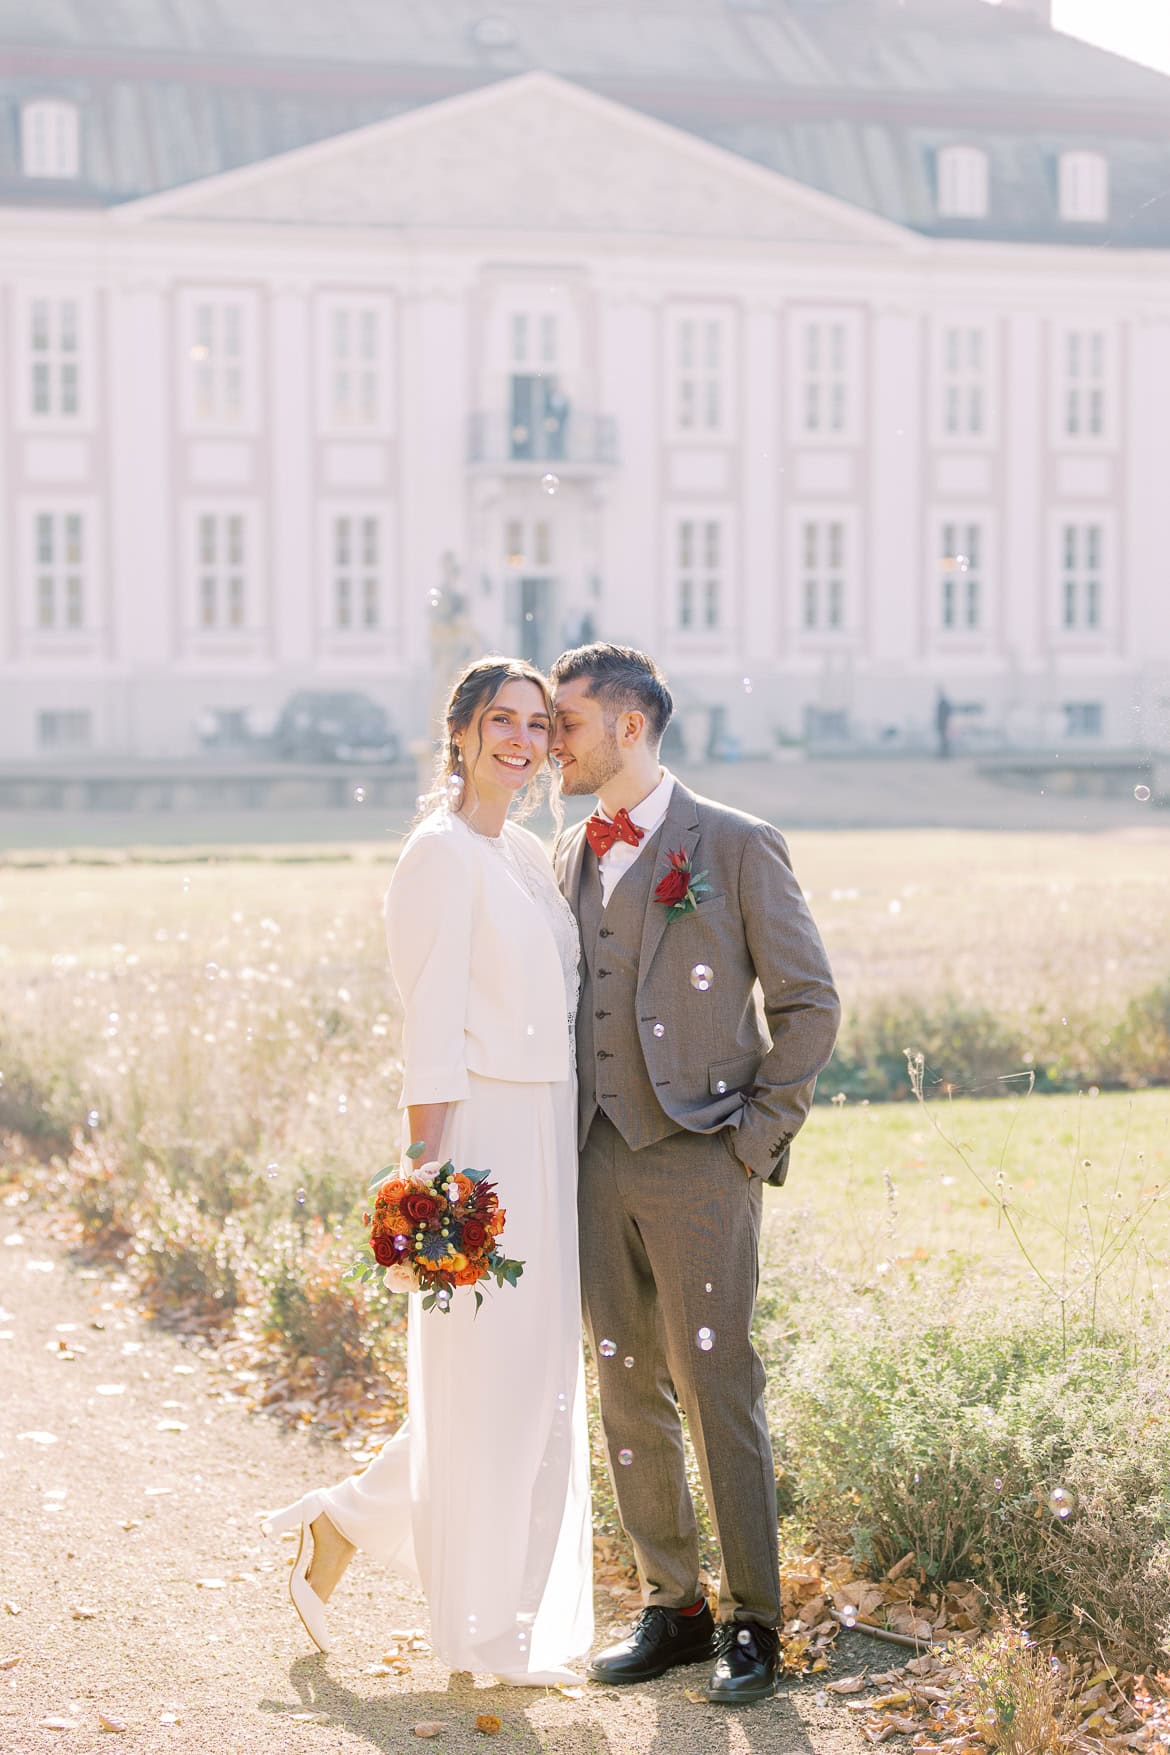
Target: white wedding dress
482,1497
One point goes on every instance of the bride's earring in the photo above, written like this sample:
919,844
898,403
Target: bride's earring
455,778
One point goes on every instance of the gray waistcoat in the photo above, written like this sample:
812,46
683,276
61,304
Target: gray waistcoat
611,1065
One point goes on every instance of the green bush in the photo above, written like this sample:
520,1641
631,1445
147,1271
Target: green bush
184,1255
316,1314
947,1436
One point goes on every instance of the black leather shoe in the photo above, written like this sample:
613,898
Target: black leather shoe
661,1639
746,1667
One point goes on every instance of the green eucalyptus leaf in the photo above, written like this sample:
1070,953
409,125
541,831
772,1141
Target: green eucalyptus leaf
416,1150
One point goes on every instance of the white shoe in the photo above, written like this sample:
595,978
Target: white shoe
305,1600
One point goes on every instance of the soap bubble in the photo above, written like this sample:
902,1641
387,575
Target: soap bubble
550,482
747,685
1142,794
301,1197
359,795
1060,1503
744,1636
271,1169
628,1361
849,1614
607,1349
93,1118
705,1339
702,976
660,1029
625,1457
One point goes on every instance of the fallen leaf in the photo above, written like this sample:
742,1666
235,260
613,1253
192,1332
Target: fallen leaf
109,1389
80,1614
308,1718
170,1718
9,1663
39,1437
54,1723
111,1724
847,1685
488,1723
132,1523
210,1584
430,1727
695,1698
570,1690
171,1426
11,1608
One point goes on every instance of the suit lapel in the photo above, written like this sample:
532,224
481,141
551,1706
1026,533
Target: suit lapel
680,828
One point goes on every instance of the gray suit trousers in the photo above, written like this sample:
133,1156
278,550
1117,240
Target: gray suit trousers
670,1266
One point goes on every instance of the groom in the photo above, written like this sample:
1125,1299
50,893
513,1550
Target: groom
707,1011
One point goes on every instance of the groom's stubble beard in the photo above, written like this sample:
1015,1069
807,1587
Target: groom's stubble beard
594,770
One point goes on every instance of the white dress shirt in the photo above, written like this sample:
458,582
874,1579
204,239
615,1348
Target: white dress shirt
647,815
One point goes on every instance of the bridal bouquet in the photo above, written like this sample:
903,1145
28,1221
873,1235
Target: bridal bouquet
434,1228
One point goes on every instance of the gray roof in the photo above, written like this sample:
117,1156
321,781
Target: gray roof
853,97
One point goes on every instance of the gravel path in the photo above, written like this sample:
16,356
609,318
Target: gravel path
109,1528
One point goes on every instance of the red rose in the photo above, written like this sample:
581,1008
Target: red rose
420,1207
474,1234
384,1252
673,888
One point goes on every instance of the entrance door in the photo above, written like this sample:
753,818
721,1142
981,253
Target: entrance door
527,414
537,610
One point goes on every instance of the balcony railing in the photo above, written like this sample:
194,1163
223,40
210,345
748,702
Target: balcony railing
576,440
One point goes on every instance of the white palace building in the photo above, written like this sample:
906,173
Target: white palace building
822,347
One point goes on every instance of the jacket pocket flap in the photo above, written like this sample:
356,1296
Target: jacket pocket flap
734,1074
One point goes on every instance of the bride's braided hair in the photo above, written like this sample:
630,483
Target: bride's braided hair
474,690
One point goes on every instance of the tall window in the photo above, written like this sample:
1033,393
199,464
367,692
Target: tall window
60,561
960,590
357,562
216,353
221,571
825,389
962,182
533,338
355,366
54,357
1084,411
1084,186
699,374
1082,553
823,562
699,571
964,382
50,139
65,728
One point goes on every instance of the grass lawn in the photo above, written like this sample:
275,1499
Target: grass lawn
875,1193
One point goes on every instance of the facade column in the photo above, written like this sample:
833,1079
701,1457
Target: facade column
635,605
291,525
144,585
1143,600
761,496
1024,592
891,563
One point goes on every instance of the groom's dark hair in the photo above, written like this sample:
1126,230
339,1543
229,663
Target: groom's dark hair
623,678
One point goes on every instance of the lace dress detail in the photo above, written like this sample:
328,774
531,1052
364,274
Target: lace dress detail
529,865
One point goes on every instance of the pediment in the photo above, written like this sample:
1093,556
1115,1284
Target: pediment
536,154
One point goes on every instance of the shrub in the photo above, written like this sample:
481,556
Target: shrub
184,1255
947,1438
315,1313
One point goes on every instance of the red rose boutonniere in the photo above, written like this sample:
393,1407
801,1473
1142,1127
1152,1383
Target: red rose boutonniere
680,889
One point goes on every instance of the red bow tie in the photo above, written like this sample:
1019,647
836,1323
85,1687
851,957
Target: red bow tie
602,833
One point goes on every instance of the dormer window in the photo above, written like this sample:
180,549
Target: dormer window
50,138
1084,187
962,183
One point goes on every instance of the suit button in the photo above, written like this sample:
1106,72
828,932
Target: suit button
601,973
604,1054
601,1014
605,933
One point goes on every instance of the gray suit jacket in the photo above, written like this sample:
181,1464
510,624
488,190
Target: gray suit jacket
755,1041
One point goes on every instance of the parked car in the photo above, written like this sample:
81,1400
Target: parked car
318,726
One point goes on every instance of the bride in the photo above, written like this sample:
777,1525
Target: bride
482,1496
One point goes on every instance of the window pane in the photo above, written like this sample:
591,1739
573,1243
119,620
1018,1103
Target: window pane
73,616
207,601
235,540
39,324
69,388
231,331
810,603
686,543
206,541
369,542
236,601
67,318
548,338
711,544
341,542
45,604
713,347
342,613
686,344
44,533
519,337
371,605
369,335
40,388
72,543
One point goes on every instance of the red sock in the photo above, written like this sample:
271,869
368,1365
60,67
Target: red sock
696,1608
